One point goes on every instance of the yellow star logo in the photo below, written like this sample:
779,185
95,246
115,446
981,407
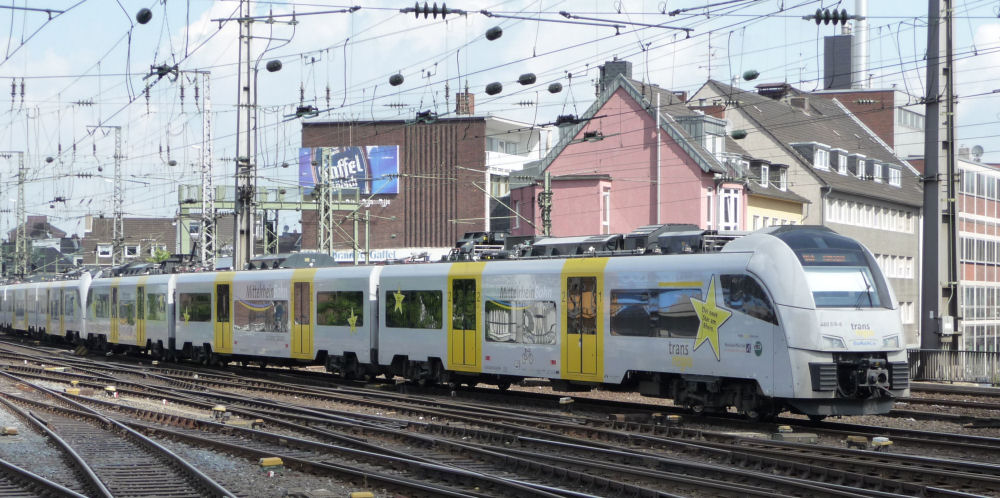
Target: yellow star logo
399,300
711,317
353,321
186,315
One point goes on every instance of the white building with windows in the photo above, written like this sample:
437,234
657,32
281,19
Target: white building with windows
852,180
509,145
979,253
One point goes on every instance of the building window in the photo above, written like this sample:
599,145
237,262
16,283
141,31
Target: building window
842,164
708,209
895,177
783,182
606,211
104,250
502,146
131,251
517,215
821,160
861,169
713,143
763,175
729,214
877,172
499,185
156,247
756,221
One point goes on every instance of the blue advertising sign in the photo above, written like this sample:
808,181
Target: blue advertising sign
373,168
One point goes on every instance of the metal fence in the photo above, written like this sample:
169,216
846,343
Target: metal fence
982,367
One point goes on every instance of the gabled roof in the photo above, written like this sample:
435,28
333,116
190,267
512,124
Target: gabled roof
645,95
825,121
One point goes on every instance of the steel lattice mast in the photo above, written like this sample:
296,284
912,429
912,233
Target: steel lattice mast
118,226
21,232
21,249
207,187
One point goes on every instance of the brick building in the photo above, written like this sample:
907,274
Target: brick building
143,236
450,177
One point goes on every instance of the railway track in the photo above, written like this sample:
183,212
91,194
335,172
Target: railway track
18,482
117,461
474,425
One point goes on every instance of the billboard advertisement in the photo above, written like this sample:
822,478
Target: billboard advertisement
374,169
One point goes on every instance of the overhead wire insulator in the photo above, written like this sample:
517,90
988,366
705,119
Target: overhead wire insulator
431,11
494,33
494,88
555,87
526,78
396,79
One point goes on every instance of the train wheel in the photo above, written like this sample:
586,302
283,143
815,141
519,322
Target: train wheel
471,384
817,418
503,385
698,409
760,415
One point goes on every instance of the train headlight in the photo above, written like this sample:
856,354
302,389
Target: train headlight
833,342
891,342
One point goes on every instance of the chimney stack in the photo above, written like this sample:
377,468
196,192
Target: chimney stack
859,57
465,103
611,69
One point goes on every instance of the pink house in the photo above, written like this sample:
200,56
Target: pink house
614,169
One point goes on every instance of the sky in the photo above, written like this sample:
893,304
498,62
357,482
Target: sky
87,69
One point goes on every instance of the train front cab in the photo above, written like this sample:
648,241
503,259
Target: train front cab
844,337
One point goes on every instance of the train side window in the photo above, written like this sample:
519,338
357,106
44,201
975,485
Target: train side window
301,311
156,306
338,307
102,306
463,313
195,307
581,305
654,312
413,309
742,293
222,303
520,322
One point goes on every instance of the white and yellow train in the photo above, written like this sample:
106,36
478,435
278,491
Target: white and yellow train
796,318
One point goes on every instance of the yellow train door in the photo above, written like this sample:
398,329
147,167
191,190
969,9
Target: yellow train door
583,319
114,316
302,306
223,318
140,316
464,305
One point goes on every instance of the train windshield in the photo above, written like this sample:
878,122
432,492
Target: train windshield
838,270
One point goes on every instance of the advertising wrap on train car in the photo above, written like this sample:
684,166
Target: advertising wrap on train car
373,168
261,306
